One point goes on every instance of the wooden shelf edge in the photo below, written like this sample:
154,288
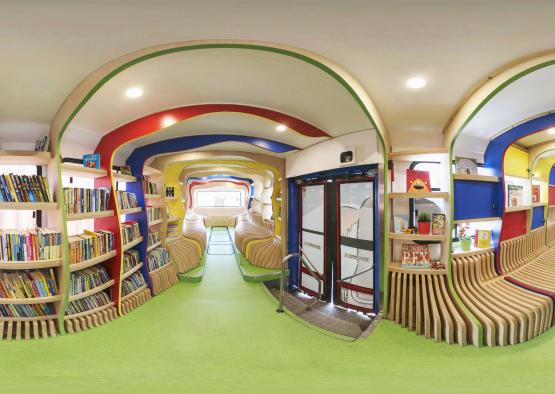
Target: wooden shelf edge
133,293
132,271
130,211
31,157
478,178
170,220
152,247
475,220
474,251
30,265
32,318
133,243
123,177
396,266
29,206
89,312
154,223
89,215
418,237
92,291
516,209
35,300
77,171
153,196
94,261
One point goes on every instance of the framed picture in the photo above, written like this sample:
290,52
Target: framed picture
482,239
438,224
418,181
42,144
466,166
415,256
515,195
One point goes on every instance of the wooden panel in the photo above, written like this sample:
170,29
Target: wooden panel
163,278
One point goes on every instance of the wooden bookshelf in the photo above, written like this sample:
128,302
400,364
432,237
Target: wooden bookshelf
34,300
176,218
29,206
153,246
30,318
133,293
516,209
133,243
442,195
152,196
22,157
82,172
478,178
396,266
89,215
89,312
123,177
131,271
30,265
155,222
130,210
91,262
92,291
418,237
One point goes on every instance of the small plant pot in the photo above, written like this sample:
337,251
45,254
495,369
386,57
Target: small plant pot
424,227
466,244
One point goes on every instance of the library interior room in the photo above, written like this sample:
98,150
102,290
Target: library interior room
277,196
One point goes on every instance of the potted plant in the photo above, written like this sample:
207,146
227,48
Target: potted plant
424,221
464,237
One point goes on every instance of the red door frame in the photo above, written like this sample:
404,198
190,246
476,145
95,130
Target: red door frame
337,266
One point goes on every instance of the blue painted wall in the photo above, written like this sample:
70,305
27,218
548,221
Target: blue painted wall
538,217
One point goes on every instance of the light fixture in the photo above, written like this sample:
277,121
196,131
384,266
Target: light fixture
281,127
416,82
168,120
551,130
134,92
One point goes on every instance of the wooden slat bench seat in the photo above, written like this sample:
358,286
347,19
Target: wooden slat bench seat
256,242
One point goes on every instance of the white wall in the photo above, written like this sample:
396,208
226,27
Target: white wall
325,155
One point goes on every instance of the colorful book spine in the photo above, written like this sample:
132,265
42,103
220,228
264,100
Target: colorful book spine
158,258
149,187
127,200
154,213
28,284
134,282
153,238
87,303
30,245
24,188
172,231
26,310
130,260
79,200
89,245
88,279
130,231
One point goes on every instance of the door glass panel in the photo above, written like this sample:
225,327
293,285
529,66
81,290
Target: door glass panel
313,231
356,242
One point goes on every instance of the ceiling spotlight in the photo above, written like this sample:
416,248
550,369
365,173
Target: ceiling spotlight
134,92
551,130
281,127
168,120
416,83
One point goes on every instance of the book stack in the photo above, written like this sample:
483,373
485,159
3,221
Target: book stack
127,200
86,200
30,245
24,188
172,231
130,260
88,279
28,284
157,258
130,231
87,303
153,238
154,213
134,282
89,245
150,187
32,310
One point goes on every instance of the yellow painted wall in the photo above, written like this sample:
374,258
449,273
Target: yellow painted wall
516,162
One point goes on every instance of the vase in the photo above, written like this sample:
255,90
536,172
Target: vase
424,227
466,244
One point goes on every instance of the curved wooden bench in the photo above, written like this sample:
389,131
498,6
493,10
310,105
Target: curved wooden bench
184,254
257,242
194,229
220,221
509,314
421,301
265,253
550,235
268,225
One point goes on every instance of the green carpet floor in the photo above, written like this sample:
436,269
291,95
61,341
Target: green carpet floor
222,335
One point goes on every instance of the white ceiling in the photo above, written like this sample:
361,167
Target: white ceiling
49,46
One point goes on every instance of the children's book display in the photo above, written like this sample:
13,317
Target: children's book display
172,231
88,279
28,284
158,258
127,200
149,187
80,200
91,160
153,238
130,231
415,256
30,245
482,239
130,260
515,195
418,181
89,245
94,301
24,188
466,166
153,214
438,224
134,282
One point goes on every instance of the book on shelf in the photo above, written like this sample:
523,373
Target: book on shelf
482,239
89,245
24,188
127,200
467,166
28,284
153,238
134,282
438,224
418,181
515,195
154,213
30,245
415,256
25,310
149,187
41,145
130,231
130,260
84,304
157,258
80,200
91,160
172,231
536,193
87,279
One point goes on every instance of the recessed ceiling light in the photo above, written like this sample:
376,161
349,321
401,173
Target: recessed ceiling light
134,92
551,130
416,82
281,127
168,120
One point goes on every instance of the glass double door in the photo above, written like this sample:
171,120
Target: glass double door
337,238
